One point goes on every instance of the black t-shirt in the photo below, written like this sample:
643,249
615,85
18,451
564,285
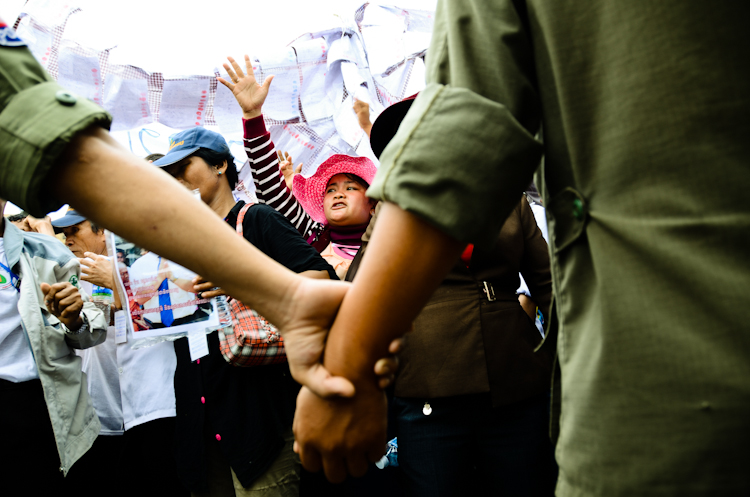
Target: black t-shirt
273,235
248,407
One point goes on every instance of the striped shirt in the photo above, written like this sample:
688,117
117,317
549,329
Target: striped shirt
269,182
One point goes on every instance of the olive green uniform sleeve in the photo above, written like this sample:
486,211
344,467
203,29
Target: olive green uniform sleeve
478,111
38,118
646,136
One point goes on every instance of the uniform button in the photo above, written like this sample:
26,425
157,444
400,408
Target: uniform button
66,98
218,437
578,208
119,370
203,400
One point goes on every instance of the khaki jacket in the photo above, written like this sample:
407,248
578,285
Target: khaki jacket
38,259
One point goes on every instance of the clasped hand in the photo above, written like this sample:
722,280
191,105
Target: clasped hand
305,339
335,429
64,301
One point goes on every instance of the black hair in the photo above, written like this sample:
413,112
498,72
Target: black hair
18,217
95,227
153,157
361,183
359,180
216,159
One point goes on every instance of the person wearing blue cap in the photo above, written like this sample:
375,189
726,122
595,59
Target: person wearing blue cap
48,421
132,390
215,433
81,235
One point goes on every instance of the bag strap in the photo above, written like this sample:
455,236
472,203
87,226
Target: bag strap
241,218
238,228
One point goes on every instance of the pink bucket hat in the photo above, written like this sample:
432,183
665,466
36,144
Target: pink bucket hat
310,191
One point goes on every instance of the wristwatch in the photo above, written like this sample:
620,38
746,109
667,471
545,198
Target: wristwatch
84,327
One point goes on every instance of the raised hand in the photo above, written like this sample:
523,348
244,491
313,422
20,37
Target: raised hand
249,93
97,270
286,166
362,109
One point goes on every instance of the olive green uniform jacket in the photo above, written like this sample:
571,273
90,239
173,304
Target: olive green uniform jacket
644,108
38,118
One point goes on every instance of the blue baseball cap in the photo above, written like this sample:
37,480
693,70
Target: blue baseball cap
71,217
186,142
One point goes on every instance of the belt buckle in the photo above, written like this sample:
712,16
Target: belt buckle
489,291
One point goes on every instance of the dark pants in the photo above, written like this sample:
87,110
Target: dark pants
93,473
148,466
467,447
30,462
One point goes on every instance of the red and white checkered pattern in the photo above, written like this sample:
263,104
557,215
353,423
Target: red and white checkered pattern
251,341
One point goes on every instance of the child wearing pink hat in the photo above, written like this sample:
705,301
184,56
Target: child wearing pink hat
330,208
334,197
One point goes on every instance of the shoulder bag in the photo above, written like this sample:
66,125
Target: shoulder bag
251,340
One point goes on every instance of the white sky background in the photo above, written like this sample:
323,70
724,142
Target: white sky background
184,37
192,37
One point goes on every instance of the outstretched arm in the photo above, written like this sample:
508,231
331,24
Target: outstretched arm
270,186
390,289
168,220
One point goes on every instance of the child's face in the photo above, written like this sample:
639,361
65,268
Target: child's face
345,202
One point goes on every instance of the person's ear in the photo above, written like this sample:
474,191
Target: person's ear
222,169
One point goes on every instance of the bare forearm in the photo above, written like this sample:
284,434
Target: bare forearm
317,275
146,206
406,260
184,284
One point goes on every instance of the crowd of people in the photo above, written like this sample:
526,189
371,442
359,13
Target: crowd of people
606,358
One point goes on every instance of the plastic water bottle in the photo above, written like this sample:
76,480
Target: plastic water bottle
391,456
